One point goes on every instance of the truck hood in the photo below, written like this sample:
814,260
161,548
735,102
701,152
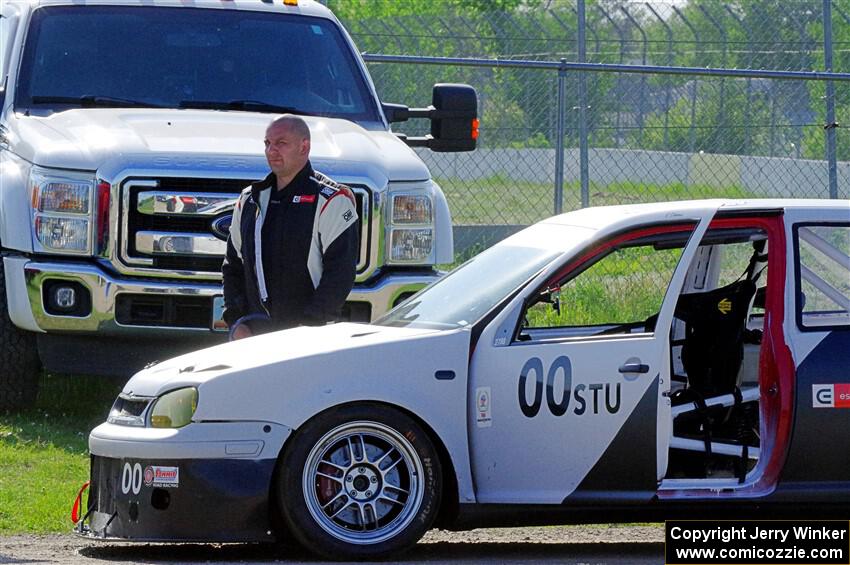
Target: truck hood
117,139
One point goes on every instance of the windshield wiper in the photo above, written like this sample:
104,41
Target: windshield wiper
92,101
245,105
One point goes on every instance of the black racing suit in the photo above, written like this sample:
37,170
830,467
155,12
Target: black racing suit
306,263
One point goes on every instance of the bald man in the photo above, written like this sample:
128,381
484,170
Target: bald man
292,250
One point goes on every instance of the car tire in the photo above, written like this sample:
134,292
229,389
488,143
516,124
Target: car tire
20,366
361,481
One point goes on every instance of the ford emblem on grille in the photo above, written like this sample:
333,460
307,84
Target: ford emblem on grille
221,226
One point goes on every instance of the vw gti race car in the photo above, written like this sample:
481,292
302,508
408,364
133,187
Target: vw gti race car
611,364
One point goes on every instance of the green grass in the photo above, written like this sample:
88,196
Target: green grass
497,200
44,452
626,286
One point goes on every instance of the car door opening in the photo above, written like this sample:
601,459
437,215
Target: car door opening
715,351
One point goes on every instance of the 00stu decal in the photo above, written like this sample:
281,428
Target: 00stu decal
589,398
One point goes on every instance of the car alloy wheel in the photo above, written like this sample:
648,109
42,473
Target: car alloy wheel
363,482
360,481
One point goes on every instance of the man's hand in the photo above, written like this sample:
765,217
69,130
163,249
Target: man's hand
242,331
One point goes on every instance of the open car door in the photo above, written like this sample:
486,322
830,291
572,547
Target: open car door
571,408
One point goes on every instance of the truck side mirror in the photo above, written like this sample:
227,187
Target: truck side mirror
455,125
453,114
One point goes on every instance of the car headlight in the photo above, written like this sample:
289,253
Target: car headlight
174,409
128,410
62,210
411,229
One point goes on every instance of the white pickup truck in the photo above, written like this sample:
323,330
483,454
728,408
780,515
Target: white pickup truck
128,128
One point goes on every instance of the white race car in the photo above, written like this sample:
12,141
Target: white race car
609,364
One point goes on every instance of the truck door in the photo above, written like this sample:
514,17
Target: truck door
568,410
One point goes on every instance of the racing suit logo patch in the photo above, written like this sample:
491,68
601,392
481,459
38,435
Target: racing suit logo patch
303,198
347,216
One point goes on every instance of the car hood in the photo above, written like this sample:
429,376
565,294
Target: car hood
235,379
117,139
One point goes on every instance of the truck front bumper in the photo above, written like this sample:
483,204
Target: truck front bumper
130,306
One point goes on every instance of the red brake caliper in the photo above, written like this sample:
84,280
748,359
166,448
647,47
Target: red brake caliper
328,489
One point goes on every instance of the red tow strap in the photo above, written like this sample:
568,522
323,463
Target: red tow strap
75,511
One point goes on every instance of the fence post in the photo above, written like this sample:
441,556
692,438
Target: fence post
582,108
692,134
642,91
669,63
747,115
830,101
718,146
559,139
622,37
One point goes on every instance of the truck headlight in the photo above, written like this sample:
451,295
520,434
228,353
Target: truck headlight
174,409
411,229
411,245
411,209
62,234
61,210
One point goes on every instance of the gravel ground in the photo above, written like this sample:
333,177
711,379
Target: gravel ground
579,545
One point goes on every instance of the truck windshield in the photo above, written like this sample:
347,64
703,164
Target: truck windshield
130,56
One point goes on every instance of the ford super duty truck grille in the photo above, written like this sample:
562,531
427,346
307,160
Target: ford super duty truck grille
181,224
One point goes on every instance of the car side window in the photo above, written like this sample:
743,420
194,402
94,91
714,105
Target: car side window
823,252
619,292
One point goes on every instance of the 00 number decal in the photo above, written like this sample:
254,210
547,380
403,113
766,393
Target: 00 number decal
131,478
589,398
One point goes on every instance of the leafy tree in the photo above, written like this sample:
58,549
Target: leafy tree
680,113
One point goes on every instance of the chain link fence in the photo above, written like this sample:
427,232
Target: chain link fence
558,138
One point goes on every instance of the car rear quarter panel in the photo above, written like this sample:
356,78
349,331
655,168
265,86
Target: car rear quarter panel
818,451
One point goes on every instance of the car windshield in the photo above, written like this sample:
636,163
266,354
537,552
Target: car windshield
466,294
218,59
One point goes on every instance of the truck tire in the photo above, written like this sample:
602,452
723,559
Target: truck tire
19,363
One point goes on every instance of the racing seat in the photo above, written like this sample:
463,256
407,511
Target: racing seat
713,347
716,330
712,354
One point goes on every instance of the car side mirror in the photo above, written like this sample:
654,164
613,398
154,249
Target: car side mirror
453,114
553,296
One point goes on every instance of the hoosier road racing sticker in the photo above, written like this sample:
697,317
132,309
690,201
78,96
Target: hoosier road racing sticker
156,476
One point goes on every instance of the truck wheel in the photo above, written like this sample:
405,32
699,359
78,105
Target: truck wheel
359,482
19,363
